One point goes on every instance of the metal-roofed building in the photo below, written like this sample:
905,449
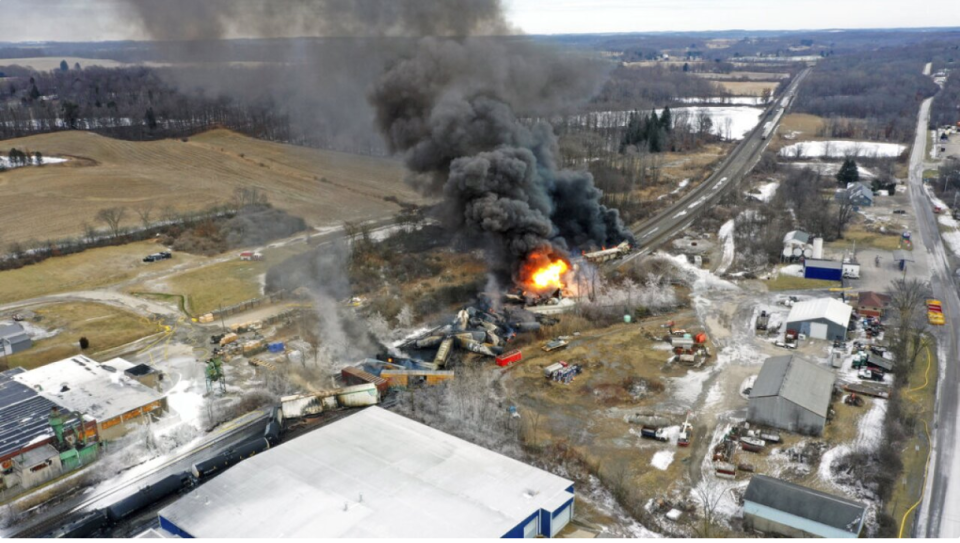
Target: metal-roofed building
777,507
24,418
824,318
13,339
100,391
375,474
791,394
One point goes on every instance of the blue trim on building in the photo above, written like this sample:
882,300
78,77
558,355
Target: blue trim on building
826,274
517,531
173,529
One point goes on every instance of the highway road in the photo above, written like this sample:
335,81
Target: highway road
940,512
657,230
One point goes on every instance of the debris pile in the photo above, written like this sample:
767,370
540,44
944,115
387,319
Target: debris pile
484,331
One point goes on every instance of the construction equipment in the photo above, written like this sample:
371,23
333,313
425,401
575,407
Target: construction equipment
763,320
686,434
935,313
653,433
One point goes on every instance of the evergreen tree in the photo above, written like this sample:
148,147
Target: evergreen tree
64,66
653,134
34,93
848,173
151,119
666,120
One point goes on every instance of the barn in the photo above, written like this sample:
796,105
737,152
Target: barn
791,394
375,474
823,318
13,339
778,508
826,270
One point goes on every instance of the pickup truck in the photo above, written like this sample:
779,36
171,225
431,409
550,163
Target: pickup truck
157,257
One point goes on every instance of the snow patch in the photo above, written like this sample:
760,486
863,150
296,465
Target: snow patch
5,163
726,234
701,280
662,459
840,149
870,427
687,389
768,191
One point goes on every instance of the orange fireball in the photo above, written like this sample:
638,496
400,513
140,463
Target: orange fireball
550,276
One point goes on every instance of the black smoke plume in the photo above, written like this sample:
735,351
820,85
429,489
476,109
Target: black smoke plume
450,110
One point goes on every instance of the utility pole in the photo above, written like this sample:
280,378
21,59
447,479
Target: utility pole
223,325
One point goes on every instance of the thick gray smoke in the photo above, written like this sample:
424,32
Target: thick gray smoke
450,109
319,83
217,19
450,106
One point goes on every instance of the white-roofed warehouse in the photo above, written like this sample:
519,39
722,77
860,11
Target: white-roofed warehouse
375,474
823,318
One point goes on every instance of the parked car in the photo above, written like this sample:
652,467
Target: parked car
786,345
157,257
899,212
870,375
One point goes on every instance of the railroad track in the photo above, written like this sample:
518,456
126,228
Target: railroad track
679,216
76,511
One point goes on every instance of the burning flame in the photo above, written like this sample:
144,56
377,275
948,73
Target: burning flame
550,276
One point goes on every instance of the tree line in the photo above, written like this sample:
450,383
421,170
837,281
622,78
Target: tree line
869,95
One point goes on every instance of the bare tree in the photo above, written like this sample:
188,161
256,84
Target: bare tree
144,211
710,494
844,212
112,217
909,336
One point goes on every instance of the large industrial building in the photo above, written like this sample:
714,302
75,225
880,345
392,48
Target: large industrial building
776,507
375,474
39,440
103,392
824,318
791,394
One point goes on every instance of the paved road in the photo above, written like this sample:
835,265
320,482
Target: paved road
940,514
651,234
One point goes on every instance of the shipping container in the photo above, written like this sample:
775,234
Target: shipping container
509,358
356,376
404,378
358,396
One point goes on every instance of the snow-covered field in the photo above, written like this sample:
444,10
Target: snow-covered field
6,164
741,119
727,100
840,149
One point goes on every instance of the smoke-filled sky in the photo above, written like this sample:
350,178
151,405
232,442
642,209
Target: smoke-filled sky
96,20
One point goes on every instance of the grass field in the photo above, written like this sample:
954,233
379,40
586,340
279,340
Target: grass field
224,283
87,270
747,88
105,326
866,239
801,122
323,187
920,395
788,282
753,76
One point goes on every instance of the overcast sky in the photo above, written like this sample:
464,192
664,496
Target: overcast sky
86,20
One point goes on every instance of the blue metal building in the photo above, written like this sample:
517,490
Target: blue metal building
826,270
